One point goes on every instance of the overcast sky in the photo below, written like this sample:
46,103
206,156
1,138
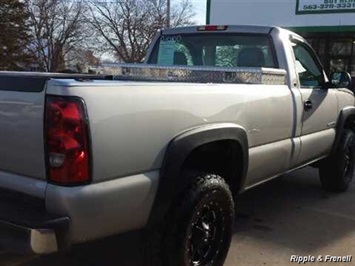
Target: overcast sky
200,10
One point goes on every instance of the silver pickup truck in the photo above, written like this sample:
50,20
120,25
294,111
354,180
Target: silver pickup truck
169,144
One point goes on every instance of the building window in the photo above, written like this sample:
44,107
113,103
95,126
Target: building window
336,52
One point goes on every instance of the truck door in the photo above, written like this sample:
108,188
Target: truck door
319,104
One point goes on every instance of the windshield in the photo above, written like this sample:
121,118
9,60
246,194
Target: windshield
210,49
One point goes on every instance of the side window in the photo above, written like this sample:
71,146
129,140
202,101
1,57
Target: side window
308,69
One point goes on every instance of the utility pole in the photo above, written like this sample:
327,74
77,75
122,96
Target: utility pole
168,14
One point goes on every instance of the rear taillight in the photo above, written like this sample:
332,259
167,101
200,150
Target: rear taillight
67,142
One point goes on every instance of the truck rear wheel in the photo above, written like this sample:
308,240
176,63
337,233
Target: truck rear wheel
336,172
199,229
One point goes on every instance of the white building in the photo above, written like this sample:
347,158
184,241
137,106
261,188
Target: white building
329,25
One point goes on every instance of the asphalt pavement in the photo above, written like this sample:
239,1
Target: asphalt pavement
289,218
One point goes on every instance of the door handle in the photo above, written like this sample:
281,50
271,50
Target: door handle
307,105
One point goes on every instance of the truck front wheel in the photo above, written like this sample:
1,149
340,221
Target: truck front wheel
336,172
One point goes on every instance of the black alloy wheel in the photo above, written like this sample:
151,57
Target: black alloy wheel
205,235
202,224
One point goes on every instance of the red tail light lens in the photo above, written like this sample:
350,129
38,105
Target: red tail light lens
66,133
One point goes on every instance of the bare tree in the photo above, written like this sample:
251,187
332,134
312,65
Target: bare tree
57,28
81,60
128,26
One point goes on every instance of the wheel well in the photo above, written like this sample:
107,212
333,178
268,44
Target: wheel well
224,157
348,124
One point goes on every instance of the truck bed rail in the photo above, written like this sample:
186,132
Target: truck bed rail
35,81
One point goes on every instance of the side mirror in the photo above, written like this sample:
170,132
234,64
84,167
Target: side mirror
341,79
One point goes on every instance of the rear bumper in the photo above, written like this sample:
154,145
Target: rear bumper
39,223
104,209
26,228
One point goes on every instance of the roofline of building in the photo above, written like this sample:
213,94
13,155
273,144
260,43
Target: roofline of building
320,29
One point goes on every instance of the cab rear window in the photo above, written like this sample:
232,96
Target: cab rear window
232,50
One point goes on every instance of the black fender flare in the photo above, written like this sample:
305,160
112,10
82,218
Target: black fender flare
179,149
342,119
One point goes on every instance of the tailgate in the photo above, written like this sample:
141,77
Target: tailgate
22,101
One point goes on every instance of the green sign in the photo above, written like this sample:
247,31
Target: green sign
324,6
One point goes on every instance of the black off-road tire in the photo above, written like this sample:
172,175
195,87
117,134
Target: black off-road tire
199,228
336,172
